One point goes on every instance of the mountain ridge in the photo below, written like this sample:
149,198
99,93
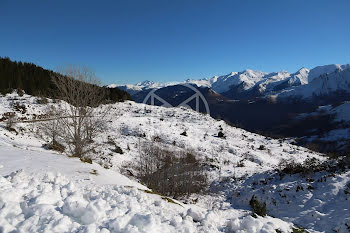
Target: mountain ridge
248,82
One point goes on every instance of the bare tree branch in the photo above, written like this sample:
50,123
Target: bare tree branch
79,117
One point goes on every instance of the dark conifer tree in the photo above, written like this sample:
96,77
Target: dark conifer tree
35,80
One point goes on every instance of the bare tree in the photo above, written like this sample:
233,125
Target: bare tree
79,117
50,128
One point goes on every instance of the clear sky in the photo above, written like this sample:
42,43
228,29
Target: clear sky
161,40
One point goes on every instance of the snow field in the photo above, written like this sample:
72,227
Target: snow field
238,156
53,203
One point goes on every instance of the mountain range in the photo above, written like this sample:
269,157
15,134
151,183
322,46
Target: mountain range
249,83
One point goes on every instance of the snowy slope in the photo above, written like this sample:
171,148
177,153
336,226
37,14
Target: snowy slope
42,191
325,84
271,80
129,120
342,112
317,201
248,78
301,77
340,132
336,130
327,69
296,79
111,204
53,203
35,162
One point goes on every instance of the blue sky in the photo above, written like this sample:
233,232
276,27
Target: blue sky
130,41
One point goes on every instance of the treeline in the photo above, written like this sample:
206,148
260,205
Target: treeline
34,80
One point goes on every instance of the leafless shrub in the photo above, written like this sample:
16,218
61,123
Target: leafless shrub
42,100
116,148
126,130
171,173
221,134
49,129
308,167
20,92
157,138
241,163
19,107
78,117
10,120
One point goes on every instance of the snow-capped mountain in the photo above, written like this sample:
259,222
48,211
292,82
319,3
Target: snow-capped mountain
141,86
206,82
326,84
296,79
247,79
255,83
266,84
271,80
248,83
327,69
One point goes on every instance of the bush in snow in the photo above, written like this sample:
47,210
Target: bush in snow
168,172
42,100
86,160
184,133
49,129
309,166
116,148
20,92
258,208
156,138
20,107
10,120
241,163
55,145
221,134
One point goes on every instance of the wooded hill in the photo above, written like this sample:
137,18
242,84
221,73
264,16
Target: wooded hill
34,80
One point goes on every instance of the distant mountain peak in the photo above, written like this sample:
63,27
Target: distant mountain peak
145,83
303,69
251,72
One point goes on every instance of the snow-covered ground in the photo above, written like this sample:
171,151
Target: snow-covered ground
53,193
317,201
339,117
43,191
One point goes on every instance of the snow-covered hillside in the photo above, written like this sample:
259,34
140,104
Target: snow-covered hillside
339,133
325,84
342,112
44,191
327,69
248,78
